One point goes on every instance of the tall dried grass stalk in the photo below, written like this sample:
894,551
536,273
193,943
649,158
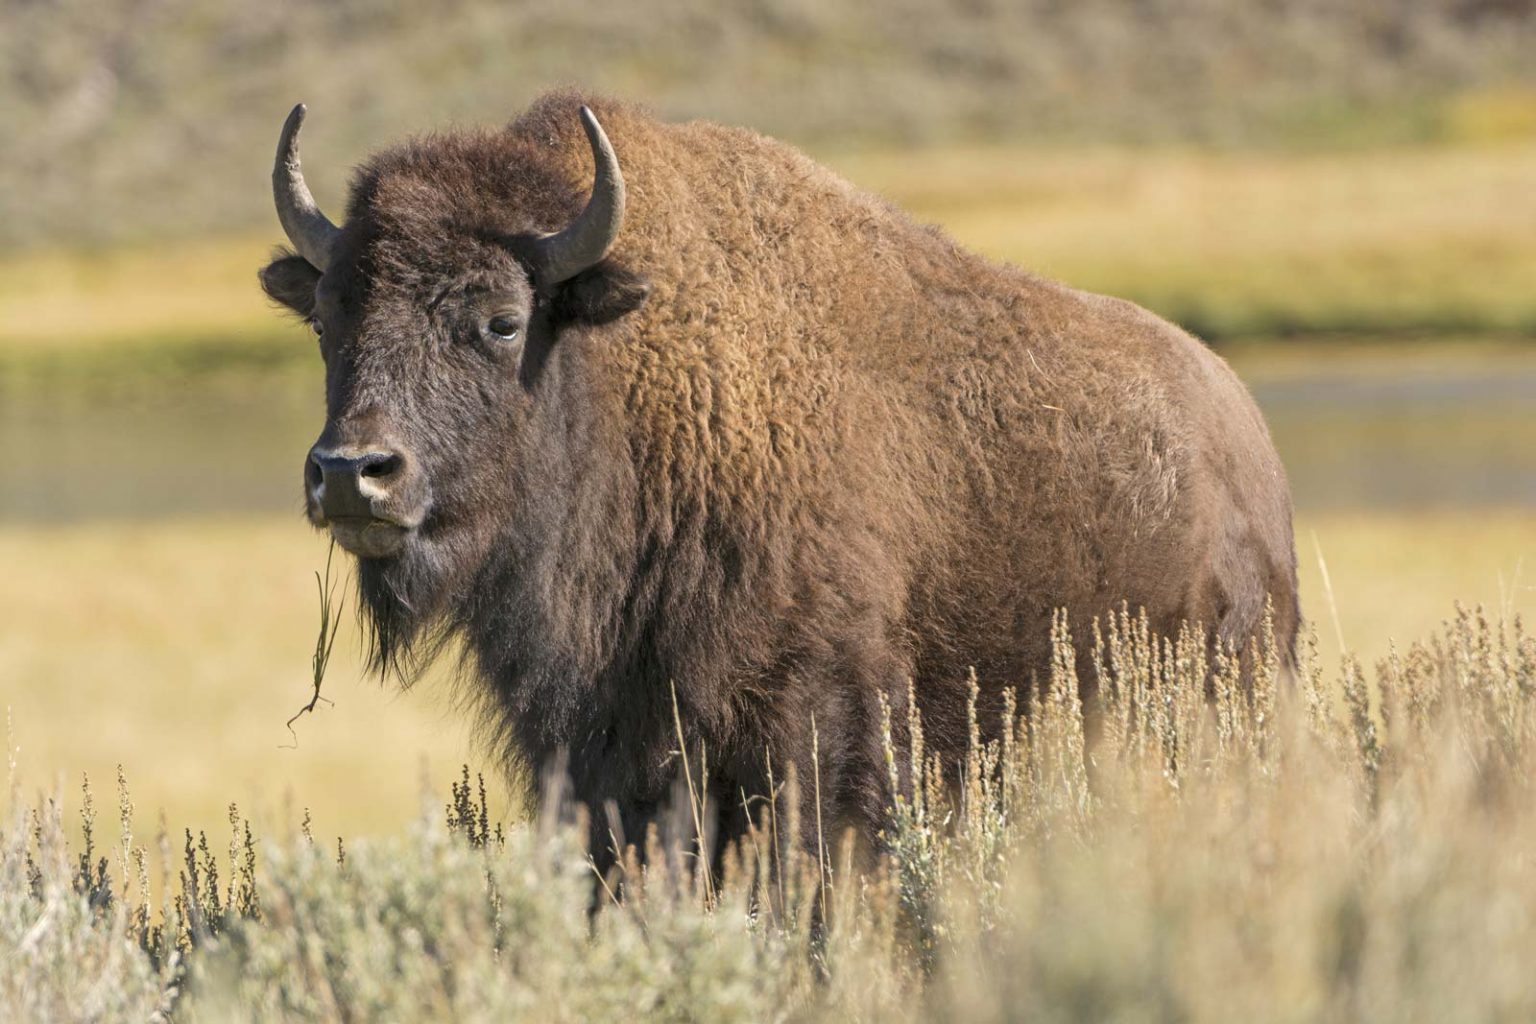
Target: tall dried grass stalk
1213,835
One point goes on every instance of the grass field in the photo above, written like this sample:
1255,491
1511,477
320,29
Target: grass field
178,650
1332,851
1434,240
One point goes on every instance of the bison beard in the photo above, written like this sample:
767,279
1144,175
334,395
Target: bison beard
757,441
401,599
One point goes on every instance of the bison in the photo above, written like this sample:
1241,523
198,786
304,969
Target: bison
689,443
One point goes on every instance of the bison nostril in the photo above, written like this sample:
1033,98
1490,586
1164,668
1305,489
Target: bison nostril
382,464
355,485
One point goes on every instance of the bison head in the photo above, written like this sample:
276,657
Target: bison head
462,262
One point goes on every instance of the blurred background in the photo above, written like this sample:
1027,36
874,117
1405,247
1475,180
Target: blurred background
1339,197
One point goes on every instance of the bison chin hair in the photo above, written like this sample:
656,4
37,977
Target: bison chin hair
404,609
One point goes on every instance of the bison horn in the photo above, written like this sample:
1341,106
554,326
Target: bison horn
587,239
310,231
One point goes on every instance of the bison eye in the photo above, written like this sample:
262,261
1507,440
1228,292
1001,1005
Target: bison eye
502,327
316,326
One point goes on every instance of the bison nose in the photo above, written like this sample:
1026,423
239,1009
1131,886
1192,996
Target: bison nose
349,484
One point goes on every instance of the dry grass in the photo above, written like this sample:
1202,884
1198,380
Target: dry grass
162,294
178,649
1392,572
1222,850
1426,239
1252,244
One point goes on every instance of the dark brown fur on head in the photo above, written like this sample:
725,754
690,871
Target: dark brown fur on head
782,451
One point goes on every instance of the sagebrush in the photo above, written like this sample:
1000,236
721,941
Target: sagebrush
1198,843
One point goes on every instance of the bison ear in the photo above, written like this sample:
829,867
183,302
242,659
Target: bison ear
291,280
600,294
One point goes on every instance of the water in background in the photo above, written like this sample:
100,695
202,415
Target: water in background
1375,436
1407,438
67,456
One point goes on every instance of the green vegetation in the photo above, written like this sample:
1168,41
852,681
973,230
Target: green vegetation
1345,850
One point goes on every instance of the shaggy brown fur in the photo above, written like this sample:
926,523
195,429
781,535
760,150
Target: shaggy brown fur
829,452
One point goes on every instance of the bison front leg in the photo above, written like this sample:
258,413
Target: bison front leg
824,771
623,834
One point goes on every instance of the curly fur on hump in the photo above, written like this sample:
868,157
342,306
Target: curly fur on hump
830,452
